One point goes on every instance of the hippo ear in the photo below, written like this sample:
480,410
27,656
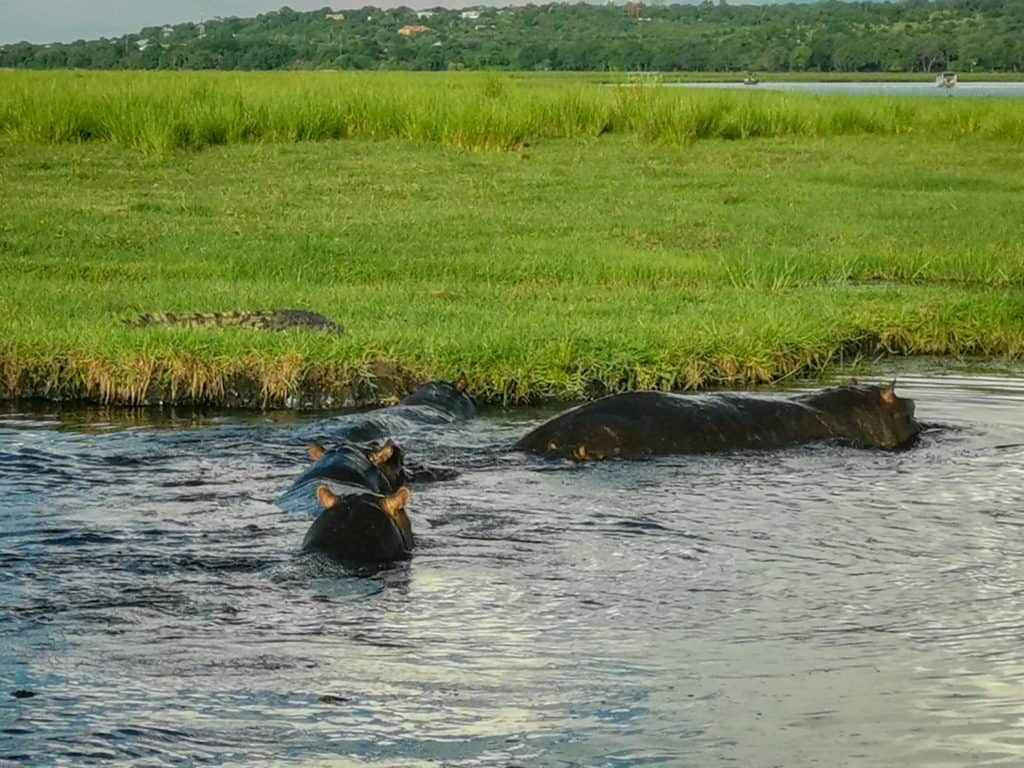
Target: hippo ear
462,383
383,456
852,381
580,452
888,394
316,451
396,502
326,498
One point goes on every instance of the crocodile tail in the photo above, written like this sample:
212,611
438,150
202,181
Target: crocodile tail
154,318
187,320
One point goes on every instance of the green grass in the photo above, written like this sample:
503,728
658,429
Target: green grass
158,113
569,267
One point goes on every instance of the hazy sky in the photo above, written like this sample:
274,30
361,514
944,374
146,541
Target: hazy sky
45,21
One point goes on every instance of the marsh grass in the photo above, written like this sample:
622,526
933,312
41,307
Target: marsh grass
157,113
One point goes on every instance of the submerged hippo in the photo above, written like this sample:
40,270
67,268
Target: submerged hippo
436,402
377,469
361,527
447,398
640,423
348,469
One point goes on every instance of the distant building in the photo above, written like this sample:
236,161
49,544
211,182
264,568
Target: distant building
335,16
412,29
471,15
424,14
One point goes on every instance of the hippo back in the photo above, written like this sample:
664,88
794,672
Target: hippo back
434,403
639,423
447,397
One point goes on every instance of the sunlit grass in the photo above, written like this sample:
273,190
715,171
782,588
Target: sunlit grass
570,267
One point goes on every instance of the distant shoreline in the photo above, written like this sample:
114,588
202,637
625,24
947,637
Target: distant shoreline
874,38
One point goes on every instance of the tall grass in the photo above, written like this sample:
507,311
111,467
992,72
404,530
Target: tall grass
160,112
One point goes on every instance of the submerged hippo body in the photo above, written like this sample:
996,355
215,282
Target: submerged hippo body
641,423
347,469
433,403
445,398
361,528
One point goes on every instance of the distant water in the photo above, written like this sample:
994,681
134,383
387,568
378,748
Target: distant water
818,606
995,90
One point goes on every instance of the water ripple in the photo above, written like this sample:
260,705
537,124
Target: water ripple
813,606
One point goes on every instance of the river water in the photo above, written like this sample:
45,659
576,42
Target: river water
990,89
819,606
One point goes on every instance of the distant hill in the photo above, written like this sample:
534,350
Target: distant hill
868,37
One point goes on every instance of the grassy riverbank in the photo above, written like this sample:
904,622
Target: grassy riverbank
561,269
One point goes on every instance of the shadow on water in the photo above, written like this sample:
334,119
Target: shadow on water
813,606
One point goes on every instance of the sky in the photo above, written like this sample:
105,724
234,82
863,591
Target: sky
47,21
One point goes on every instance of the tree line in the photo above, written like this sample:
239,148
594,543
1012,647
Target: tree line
911,36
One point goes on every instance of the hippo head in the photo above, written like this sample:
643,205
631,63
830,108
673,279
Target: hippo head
870,416
388,458
362,527
446,396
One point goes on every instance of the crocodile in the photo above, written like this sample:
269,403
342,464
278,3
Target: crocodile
264,320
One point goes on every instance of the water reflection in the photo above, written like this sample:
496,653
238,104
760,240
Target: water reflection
814,606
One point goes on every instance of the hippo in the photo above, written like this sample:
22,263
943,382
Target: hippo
379,470
645,423
361,527
449,398
433,403
349,469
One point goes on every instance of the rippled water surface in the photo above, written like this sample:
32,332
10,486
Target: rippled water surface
819,606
